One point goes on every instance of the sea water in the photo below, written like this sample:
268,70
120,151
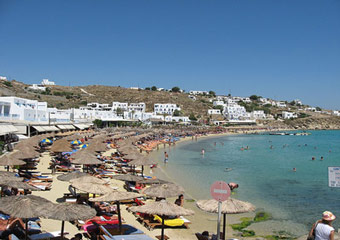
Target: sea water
264,172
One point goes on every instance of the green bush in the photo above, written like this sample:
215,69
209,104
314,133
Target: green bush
262,216
8,84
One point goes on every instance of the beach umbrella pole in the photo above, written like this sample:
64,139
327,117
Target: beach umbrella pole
142,171
162,234
224,224
219,220
26,229
119,218
62,229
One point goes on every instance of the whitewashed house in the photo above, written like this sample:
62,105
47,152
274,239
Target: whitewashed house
120,105
3,78
288,115
165,108
336,113
214,111
235,112
192,92
37,87
14,108
46,82
258,114
137,107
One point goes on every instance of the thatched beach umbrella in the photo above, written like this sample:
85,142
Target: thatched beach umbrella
85,158
17,184
8,174
61,145
91,188
70,212
142,161
162,208
164,190
25,153
155,181
8,160
25,207
89,179
73,175
128,178
96,146
116,196
231,206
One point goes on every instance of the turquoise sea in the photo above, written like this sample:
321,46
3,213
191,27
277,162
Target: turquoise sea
265,175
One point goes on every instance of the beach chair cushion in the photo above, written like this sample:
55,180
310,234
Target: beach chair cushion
177,222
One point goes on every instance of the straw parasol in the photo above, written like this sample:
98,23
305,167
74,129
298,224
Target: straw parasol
154,181
61,145
89,179
231,206
91,184
13,183
25,153
91,188
69,176
162,208
85,158
28,206
8,160
142,161
116,196
128,177
70,212
164,190
7,174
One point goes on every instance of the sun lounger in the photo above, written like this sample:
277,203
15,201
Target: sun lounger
48,235
128,237
111,231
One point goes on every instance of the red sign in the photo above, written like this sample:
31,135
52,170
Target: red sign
220,191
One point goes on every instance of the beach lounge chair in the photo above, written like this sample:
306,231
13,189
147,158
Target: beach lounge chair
176,222
201,237
47,235
110,231
128,237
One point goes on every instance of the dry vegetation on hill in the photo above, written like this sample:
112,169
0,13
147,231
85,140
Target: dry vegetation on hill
67,97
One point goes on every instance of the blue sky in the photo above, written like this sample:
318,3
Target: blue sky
283,49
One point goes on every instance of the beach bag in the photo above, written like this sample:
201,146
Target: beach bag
313,234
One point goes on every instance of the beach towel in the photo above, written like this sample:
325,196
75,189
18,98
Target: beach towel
177,222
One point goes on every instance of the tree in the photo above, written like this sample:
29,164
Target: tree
219,107
254,97
318,109
177,113
212,93
154,88
147,88
98,123
192,117
119,111
176,89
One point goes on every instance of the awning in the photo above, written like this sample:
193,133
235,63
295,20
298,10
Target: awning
7,128
66,127
22,129
51,128
39,128
81,126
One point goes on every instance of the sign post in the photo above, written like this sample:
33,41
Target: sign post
220,191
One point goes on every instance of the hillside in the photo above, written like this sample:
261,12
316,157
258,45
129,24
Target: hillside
67,97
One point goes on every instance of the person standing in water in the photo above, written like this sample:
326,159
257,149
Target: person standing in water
202,151
166,157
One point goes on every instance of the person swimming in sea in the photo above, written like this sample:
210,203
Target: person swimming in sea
313,158
228,169
294,169
321,159
271,147
202,151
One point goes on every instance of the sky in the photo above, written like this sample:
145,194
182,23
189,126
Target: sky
282,49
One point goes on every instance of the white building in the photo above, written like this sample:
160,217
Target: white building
288,115
310,109
336,113
177,119
137,107
14,108
166,108
280,104
192,97
60,116
214,111
235,112
120,105
258,114
3,78
218,103
37,87
297,102
46,82
198,92
97,106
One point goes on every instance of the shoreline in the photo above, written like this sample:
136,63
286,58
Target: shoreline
208,221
